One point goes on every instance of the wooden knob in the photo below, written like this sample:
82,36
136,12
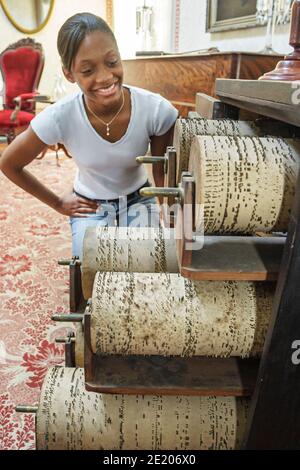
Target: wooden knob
295,30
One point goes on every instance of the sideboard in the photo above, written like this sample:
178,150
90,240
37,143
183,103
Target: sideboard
179,77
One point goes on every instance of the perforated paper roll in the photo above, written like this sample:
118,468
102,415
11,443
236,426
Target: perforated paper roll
167,314
127,249
244,184
70,418
185,129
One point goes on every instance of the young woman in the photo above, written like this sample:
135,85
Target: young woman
104,126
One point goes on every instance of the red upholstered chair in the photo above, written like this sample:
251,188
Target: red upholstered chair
21,67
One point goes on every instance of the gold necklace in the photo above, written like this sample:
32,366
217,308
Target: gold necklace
107,124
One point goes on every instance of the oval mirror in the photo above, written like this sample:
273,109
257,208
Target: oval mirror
29,17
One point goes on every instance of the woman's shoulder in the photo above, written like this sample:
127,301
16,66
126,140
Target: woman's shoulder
152,108
58,114
69,101
144,94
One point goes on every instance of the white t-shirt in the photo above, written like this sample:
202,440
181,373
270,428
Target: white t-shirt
105,170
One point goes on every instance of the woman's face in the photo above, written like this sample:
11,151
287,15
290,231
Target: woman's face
97,69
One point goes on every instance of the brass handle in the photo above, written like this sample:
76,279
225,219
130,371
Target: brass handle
64,262
67,262
61,339
164,192
26,409
150,159
71,317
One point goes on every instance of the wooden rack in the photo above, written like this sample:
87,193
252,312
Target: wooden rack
217,258
275,406
274,387
273,382
158,375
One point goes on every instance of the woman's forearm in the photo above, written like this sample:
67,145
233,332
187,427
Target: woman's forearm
25,180
23,150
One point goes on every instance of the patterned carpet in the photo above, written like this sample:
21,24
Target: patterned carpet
32,288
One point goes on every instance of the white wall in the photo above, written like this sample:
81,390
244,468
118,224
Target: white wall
63,9
193,35
28,21
163,24
125,25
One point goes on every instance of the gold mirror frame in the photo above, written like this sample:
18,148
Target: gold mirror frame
109,7
25,30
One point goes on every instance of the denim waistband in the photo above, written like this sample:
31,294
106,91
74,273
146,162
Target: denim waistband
131,195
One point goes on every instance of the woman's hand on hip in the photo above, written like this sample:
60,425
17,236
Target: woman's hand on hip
76,206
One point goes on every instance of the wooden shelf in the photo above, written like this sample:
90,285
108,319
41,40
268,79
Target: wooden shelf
275,99
204,376
229,258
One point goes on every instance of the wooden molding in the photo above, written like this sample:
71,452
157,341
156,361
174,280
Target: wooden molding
110,13
20,27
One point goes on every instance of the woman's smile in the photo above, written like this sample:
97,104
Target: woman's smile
106,91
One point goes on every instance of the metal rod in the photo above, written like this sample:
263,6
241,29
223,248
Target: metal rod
64,262
165,192
150,159
72,317
26,408
61,339
67,262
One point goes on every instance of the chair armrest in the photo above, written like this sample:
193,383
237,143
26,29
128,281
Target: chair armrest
35,96
18,103
42,99
14,114
26,96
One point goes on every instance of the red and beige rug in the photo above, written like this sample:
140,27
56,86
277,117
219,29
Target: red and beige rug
32,288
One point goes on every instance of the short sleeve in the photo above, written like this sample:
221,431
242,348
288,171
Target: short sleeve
164,117
45,126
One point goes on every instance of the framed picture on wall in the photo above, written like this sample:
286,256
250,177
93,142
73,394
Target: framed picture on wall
224,15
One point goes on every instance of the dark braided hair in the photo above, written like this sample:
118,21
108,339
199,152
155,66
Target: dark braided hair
74,30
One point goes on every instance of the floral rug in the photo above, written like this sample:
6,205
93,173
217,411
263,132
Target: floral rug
32,288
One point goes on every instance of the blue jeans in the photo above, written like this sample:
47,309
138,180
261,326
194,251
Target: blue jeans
128,211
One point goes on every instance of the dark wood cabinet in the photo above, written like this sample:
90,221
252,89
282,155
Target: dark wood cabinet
179,77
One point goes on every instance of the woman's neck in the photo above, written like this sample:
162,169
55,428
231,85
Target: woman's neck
106,111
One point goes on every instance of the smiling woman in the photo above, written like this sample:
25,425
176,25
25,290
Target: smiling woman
104,126
31,17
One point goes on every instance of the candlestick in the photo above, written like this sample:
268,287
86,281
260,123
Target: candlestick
289,68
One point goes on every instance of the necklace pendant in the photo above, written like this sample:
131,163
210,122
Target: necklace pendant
107,129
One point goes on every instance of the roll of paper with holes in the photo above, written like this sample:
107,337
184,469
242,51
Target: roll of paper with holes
126,249
244,184
70,418
167,314
186,129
